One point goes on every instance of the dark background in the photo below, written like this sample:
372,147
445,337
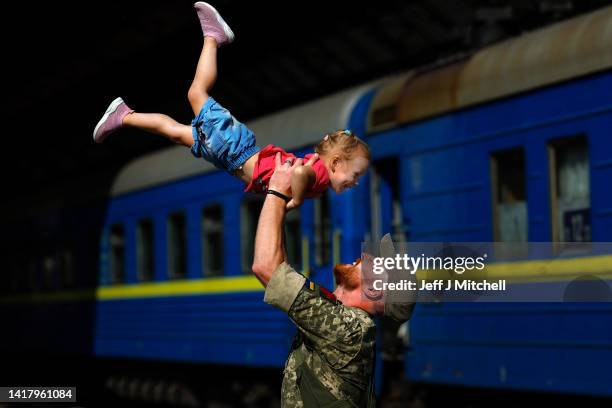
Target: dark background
64,62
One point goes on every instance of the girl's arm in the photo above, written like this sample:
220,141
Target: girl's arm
301,180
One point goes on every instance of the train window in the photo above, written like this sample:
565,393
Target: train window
67,267
322,238
177,245
49,270
33,273
144,249
16,278
250,210
212,240
6,281
569,190
509,196
293,237
117,254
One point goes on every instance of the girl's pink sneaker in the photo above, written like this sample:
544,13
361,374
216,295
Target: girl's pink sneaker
213,24
112,120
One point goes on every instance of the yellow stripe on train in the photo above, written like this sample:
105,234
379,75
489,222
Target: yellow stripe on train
515,272
180,288
544,270
144,290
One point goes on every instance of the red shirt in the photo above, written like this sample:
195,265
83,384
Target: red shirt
264,167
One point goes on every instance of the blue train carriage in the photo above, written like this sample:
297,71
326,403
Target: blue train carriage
510,144
175,278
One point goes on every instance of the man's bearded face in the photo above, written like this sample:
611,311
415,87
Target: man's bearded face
348,275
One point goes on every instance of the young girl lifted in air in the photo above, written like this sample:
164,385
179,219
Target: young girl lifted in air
219,138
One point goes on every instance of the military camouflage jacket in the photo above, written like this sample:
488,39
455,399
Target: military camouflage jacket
334,343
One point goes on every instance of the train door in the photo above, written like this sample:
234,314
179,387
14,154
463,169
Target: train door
387,216
385,204
324,239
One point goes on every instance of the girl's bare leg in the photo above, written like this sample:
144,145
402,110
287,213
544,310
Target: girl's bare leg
205,75
162,125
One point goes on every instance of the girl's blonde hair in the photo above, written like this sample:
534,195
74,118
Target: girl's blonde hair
344,143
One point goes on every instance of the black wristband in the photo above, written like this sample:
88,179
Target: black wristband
280,195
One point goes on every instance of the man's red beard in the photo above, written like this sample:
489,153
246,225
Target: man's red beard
346,275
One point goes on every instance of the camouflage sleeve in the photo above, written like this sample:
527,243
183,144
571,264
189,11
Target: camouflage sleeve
284,287
332,328
335,330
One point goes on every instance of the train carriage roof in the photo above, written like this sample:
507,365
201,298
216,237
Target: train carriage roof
292,128
573,48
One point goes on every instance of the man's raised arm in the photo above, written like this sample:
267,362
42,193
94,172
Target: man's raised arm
269,252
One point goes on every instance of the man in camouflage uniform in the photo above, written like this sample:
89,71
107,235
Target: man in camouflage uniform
331,363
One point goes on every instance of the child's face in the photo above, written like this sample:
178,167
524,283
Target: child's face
346,173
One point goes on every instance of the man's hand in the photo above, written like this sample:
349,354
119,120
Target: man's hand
281,178
292,204
312,159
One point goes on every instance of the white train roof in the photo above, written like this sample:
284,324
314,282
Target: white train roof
292,128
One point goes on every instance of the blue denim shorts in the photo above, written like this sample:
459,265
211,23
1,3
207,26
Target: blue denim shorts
220,139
